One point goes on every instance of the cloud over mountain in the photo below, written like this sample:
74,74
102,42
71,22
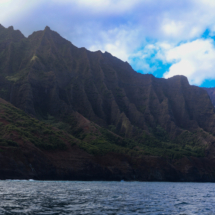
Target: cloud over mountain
194,59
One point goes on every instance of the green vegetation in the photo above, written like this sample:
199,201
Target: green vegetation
18,76
157,143
16,127
5,142
169,148
19,127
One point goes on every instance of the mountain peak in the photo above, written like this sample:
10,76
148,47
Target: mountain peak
181,78
10,34
47,28
10,28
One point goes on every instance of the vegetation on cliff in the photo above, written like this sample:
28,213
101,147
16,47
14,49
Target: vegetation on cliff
16,128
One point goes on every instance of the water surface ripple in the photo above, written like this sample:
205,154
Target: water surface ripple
52,198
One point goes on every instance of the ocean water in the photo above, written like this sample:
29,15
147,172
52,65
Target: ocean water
51,197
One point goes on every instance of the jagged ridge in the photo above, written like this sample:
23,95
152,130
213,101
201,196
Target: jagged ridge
47,76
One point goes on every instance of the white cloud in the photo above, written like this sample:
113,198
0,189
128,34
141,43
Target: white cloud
195,60
140,59
12,11
162,20
102,7
167,19
119,42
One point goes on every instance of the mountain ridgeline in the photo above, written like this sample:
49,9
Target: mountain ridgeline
105,107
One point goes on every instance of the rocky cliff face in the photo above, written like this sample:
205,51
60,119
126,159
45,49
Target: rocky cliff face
47,76
211,93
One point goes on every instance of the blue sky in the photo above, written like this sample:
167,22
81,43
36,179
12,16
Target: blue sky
164,38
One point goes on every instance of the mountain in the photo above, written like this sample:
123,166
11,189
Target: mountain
109,108
211,93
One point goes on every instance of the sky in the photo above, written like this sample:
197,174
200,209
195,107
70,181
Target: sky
164,38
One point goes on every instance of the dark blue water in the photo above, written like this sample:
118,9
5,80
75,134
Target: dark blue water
39,197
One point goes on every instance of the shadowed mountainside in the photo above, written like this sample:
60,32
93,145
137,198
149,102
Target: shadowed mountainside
51,79
33,149
211,93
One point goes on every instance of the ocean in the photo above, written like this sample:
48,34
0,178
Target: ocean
78,197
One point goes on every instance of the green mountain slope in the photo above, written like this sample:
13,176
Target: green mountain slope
33,149
17,128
